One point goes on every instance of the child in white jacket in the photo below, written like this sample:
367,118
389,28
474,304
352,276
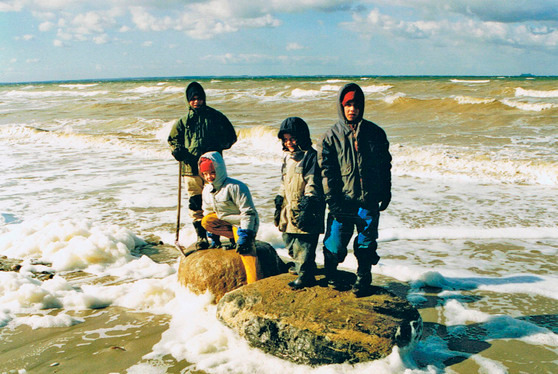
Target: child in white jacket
229,211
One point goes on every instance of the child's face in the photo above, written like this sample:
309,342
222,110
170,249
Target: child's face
209,176
196,102
290,142
351,111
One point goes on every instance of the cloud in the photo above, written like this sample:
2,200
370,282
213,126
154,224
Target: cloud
294,47
25,37
450,31
46,26
257,59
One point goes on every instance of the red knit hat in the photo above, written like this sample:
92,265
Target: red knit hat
206,165
348,97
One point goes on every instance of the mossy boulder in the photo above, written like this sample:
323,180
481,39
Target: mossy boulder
319,325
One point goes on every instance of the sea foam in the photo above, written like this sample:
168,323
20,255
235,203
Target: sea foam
69,245
521,92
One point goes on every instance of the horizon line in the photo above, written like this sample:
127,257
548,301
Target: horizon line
244,76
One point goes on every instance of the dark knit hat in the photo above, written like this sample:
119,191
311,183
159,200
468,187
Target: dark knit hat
195,89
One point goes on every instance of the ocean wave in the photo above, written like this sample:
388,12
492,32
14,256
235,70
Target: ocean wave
521,92
471,165
78,86
18,94
329,87
469,81
137,139
472,100
531,107
376,88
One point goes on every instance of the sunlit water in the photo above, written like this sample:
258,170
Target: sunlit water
87,180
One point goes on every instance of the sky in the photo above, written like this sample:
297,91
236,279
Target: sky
45,40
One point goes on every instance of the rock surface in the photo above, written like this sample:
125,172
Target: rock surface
220,271
319,325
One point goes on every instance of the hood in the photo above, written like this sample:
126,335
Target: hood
220,168
359,99
195,88
298,129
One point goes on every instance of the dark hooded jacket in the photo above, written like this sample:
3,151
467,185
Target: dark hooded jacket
201,130
355,178
303,207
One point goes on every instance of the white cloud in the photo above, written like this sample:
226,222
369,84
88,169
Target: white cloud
58,43
32,60
46,26
257,58
147,44
101,39
451,31
294,47
25,37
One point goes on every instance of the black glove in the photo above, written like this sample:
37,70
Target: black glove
385,202
309,216
337,212
180,153
278,205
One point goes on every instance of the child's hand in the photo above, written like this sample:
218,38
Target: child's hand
245,243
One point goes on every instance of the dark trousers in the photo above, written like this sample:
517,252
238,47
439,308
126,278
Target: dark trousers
302,248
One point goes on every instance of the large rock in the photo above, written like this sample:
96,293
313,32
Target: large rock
220,271
319,325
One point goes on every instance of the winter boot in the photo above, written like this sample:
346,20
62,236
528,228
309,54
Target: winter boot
215,240
302,281
363,283
330,268
202,242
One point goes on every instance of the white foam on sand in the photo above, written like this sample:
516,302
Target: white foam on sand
69,244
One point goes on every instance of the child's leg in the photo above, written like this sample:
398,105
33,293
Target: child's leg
303,249
250,261
217,226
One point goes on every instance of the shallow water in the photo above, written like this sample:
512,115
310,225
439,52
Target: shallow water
470,237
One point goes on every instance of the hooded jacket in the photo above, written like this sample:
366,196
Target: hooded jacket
301,186
229,198
201,130
355,178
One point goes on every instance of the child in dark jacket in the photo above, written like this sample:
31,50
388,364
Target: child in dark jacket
300,205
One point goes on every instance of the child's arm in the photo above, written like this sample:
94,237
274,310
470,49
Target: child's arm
247,216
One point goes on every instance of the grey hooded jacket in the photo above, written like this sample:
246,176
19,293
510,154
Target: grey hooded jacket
300,182
355,178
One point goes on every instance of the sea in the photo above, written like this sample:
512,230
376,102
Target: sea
88,205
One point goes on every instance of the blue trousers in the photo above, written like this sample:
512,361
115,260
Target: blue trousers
338,235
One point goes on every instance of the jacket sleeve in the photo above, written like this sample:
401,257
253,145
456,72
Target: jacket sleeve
331,171
207,203
176,135
385,167
312,175
228,134
248,216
